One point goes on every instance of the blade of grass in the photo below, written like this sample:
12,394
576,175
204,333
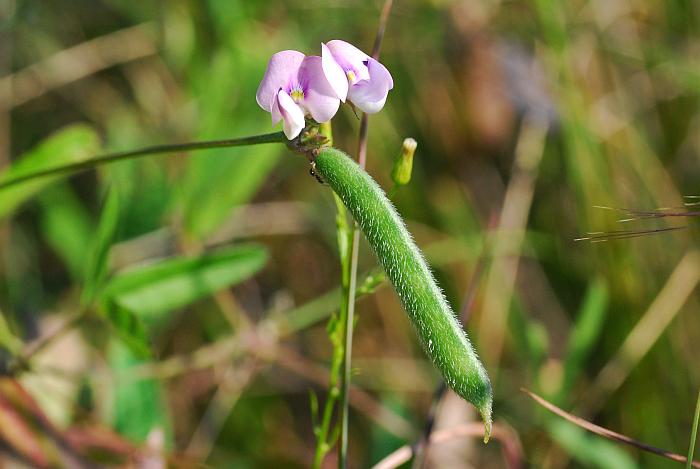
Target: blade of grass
509,238
647,331
70,145
693,434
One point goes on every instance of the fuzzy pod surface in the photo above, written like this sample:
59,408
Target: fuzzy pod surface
439,330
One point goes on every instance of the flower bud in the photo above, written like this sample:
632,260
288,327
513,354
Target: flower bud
401,174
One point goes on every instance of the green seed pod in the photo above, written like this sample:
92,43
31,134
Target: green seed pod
438,329
401,174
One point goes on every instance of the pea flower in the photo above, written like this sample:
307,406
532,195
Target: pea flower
293,87
356,76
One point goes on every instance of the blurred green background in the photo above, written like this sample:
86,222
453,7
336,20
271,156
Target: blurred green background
200,284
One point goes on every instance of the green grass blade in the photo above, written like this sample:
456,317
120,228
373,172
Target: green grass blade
154,290
96,267
68,147
138,407
586,332
693,434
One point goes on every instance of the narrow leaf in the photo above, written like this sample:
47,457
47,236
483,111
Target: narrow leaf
69,145
586,332
129,328
97,263
138,407
156,289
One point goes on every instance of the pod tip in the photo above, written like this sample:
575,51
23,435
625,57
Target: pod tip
486,416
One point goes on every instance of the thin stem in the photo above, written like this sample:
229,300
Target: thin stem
355,250
383,20
609,434
323,430
276,137
693,434
347,357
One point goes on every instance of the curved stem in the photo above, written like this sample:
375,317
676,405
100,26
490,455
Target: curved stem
276,137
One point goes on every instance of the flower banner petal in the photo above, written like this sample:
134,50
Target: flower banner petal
334,73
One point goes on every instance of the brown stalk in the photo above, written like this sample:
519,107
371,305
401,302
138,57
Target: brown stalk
77,62
604,432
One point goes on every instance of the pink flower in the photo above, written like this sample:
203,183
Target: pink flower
293,87
356,76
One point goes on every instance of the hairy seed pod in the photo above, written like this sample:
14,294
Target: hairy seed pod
438,329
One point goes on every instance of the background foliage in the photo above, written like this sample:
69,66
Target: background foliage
199,285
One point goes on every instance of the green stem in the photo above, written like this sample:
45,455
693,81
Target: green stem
276,137
323,445
355,246
349,301
693,434
335,328
335,333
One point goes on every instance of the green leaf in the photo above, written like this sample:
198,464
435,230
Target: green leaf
8,340
138,406
154,290
97,264
67,227
590,450
125,323
69,145
586,332
219,180
240,172
130,329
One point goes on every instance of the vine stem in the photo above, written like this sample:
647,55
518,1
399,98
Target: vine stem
354,255
276,137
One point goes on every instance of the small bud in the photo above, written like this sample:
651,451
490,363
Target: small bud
401,174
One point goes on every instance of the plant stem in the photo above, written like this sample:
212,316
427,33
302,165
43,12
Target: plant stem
276,137
349,307
335,324
354,254
693,434
347,345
